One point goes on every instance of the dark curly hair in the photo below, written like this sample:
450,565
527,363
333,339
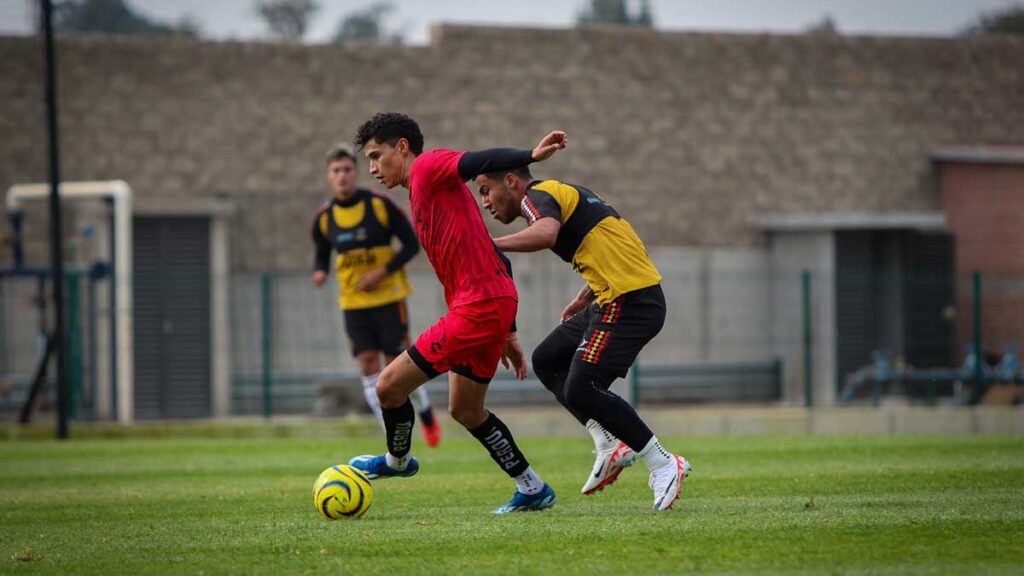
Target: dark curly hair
388,128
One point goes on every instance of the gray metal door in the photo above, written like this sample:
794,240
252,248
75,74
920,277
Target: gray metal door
172,317
855,306
931,334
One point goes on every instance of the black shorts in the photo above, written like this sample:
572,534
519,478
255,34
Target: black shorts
609,338
384,328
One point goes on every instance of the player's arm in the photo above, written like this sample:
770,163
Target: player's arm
544,220
493,160
585,297
539,235
512,355
322,252
498,159
402,228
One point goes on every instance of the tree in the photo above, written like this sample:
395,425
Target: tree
287,19
827,25
1008,21
616,12
367,25
113,17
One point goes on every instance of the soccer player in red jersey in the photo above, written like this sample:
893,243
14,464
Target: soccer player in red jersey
478,331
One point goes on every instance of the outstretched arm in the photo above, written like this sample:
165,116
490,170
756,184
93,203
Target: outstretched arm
498,159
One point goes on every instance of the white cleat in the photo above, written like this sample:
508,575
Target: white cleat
667,482
607,467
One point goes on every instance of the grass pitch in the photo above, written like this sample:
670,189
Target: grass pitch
811,505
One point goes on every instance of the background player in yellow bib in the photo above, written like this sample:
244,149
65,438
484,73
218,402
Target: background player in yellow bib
359,225
619,310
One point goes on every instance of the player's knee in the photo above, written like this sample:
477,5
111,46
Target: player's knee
388,392
468,416
369,362
545,365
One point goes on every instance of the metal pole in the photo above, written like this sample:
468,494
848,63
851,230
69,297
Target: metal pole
112,313
979,358
808,344
74,340
56,249
267,343
92,345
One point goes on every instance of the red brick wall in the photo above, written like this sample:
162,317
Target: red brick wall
985,207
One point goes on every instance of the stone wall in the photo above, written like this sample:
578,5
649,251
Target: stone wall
691,136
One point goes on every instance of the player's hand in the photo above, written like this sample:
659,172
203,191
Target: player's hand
513,354
550,144
319,277
372,279
574,307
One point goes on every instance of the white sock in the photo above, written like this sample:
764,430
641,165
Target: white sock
528,482
422,399
655,455
603,439
396,462
370,393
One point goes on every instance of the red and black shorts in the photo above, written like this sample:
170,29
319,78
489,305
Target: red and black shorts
384,328
469,340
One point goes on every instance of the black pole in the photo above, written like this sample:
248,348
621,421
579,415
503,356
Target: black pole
56,247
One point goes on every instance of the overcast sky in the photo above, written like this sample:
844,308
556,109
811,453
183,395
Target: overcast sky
236,19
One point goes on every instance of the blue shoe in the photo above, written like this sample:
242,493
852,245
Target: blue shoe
377,466
523,503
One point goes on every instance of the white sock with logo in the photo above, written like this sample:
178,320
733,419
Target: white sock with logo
422,399
655,455
528,482
603,439
370,393
398,462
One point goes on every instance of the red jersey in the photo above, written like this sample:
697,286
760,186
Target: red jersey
452,231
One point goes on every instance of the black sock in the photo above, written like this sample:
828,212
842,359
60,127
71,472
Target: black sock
427,416
495,436
398,426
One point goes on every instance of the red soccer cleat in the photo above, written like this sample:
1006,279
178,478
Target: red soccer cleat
432,431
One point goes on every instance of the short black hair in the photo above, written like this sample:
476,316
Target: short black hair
388,128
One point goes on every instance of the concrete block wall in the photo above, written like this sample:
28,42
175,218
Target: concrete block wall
692,136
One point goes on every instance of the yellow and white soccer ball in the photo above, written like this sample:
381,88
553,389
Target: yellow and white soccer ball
342,491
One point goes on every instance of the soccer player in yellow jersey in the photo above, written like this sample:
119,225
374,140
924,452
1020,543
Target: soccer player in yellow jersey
359,225
620,308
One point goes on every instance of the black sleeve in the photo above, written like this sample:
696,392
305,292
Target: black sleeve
323,247
539,204
493,160
401,227
508,268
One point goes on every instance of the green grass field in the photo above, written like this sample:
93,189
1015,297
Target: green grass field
810,505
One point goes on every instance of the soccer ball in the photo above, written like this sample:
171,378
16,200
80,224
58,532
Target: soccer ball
342,491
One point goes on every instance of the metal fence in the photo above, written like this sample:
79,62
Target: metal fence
736,332
289,337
